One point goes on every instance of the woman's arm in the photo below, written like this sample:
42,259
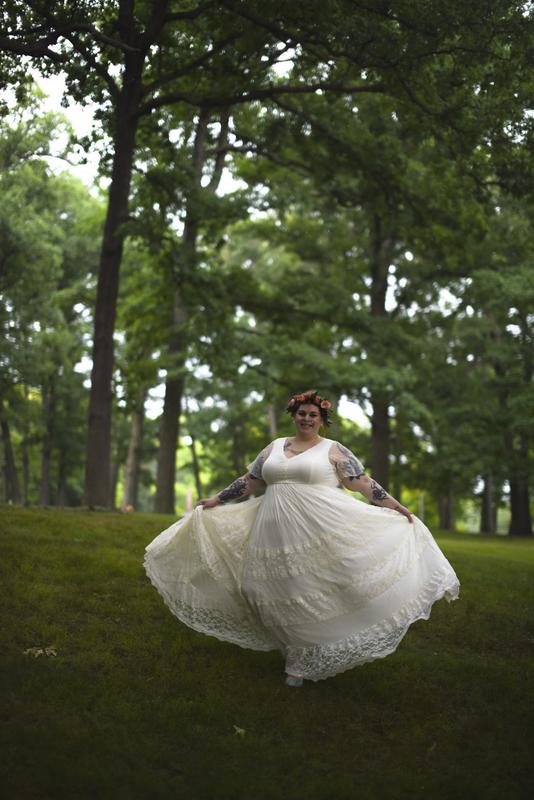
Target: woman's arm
241,487
374,492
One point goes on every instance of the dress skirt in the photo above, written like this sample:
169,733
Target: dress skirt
307,569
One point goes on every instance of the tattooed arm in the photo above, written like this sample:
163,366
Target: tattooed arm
247,484
375,493
352,475
241,487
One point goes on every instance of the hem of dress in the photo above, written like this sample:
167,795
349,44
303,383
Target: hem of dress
180,611
449,590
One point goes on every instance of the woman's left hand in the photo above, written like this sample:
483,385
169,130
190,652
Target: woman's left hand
211,502
404,511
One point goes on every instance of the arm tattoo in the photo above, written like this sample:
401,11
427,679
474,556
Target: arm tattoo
378,492
351,467
257,466
236,489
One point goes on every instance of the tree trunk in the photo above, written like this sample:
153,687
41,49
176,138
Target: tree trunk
49,412
237,453
168,442
488,515
520,519
446,509
271,418
133,461
61,494
98,456
25,453
11,481
397,447
174,386
380,442
381,246
115,469
196,468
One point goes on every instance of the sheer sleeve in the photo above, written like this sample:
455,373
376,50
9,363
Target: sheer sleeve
345,462
254,469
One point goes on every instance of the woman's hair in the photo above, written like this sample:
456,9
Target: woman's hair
313,398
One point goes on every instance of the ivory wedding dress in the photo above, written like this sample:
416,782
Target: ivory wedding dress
307,569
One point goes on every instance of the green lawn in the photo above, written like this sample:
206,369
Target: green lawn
135,705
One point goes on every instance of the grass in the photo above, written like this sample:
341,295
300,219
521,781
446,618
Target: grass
135,705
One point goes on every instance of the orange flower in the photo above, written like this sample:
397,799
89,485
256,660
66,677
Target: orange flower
325,404
300,397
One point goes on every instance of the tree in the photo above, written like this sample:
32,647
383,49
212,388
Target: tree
47,239
214,55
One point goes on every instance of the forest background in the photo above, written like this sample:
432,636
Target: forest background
292,195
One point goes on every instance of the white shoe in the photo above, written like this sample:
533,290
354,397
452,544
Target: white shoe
292,680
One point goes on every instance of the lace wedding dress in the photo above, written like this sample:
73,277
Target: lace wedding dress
307,569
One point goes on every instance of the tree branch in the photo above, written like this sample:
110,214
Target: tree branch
36,49
193,14
268,92
221,152
94,64
197,62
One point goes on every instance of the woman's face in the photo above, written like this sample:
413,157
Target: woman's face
307,420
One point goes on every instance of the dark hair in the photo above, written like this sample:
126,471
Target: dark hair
311,397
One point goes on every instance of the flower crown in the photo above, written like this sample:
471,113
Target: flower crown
323,404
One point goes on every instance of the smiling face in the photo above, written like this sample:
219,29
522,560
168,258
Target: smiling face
307,420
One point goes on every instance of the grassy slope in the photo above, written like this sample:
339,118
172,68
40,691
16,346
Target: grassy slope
135,705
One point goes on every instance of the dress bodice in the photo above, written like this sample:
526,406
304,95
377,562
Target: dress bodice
310,467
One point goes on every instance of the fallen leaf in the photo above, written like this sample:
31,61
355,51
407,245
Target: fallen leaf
40,651
239,731
33,651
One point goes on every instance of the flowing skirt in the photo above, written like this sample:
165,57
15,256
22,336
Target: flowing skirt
328,580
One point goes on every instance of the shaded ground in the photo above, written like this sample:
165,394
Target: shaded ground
131,704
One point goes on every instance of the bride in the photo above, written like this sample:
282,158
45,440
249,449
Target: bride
330,581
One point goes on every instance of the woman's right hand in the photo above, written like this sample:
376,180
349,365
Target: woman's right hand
211,502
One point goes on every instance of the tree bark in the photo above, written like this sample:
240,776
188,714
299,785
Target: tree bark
25,453
196,467
271,418
237,452
49,412
11,481
520,518
174,386
133,461
397,447
380,442
98,454
381,246
115,469
61,494
447,511
488,508
169,430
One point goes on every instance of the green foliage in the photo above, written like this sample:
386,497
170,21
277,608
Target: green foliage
47,236
380,249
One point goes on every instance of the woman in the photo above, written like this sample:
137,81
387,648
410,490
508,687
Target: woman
330,581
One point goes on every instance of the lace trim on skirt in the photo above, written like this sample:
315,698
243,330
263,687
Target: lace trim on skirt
238,628
322,661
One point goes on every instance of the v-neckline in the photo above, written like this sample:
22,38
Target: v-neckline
302,452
